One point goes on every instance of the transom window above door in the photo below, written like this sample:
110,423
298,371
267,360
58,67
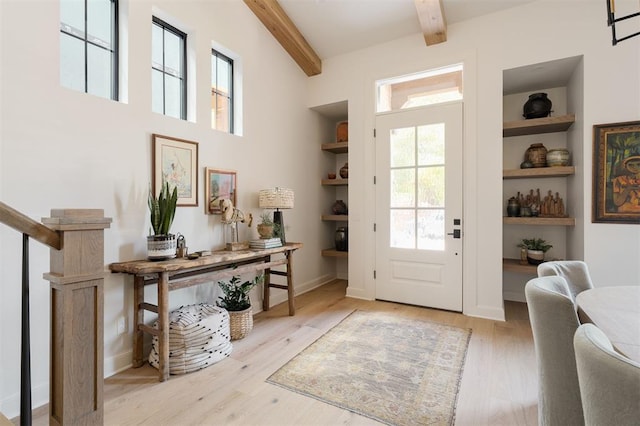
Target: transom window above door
424,88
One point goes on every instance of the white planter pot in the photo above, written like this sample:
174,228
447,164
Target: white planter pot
535,257
161,247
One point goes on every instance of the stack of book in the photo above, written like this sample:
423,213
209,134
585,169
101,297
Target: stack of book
265,243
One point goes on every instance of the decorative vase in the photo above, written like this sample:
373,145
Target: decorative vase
344,171
536,154
342,239
523,256
160,247
535,257
240,323
265,231
558,157
513,207
339,207
537,106
342,131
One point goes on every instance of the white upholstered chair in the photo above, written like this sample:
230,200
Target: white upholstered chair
575,272
554,322
609,382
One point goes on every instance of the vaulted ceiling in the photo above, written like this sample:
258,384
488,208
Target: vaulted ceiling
310,30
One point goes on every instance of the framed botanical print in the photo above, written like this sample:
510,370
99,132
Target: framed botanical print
176,161
219,184
616,172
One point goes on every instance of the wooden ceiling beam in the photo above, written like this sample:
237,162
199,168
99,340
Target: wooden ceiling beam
432,21
272,16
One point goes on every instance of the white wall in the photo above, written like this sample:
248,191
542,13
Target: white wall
536,32
60,148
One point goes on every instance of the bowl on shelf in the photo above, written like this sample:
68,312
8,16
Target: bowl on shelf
331,175
557,157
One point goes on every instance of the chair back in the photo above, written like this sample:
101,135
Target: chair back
554,322
609,382
575,272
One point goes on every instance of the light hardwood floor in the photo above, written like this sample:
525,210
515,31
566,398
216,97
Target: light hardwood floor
499,384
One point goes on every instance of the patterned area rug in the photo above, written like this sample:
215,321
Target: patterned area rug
398,371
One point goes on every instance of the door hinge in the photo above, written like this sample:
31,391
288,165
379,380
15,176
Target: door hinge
374,274
374,227
374,180
374,133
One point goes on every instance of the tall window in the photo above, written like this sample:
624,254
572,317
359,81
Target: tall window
89,46
221,92
169,70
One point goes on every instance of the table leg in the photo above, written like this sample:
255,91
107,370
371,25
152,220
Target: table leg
163,326
290,294
267,285
138,319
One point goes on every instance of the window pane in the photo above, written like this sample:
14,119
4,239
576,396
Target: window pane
402,229
99,71
403,188
99,22
72,16
431,229
431,186
173,54
71,62
172,98
222,114
214,71
156,46
402,147
431,144
157,92
224,85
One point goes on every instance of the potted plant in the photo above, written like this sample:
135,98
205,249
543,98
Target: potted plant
536,248
235,300
162,244
266,226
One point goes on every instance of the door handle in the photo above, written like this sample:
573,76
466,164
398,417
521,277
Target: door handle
455,233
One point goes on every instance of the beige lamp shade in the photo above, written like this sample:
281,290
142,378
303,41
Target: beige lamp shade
276,198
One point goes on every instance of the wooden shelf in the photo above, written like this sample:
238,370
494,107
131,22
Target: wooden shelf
334,253
336,147
545,221
514,265
335,182
335,217
539,172
536,126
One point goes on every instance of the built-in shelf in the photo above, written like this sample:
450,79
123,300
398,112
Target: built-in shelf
335,217
539,172
334,253
335,182
536,126
514,265
336,147
544,221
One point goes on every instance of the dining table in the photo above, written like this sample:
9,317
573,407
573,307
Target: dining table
616,311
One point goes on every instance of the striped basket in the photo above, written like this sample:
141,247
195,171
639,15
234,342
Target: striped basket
240,323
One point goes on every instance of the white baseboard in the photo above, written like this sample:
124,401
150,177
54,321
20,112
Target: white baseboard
10,406
514,296
115,364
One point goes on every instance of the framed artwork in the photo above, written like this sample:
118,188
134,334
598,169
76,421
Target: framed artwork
219,184
176,161
616,174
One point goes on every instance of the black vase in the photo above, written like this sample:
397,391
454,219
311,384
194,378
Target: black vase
537,106
342,239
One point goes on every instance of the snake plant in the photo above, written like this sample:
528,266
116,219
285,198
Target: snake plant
163,209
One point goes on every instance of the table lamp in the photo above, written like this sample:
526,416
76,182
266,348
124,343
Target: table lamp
277,198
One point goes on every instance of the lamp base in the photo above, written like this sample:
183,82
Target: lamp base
279,228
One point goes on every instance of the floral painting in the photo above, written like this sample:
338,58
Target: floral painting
175,161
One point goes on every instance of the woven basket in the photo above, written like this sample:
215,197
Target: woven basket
240,323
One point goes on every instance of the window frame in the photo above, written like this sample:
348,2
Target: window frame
231,98
165,26
115,51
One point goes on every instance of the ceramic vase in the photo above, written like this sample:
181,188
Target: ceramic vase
536,154
537,106
558,157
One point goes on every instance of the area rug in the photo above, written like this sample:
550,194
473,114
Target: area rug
398,371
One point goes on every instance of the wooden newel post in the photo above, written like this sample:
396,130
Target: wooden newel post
77,274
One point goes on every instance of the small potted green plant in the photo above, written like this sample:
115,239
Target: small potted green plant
162,209
235,299
536,248
266,226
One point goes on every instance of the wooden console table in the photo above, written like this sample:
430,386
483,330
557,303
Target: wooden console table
175,274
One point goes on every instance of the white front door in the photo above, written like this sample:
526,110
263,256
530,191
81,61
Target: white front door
419,206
